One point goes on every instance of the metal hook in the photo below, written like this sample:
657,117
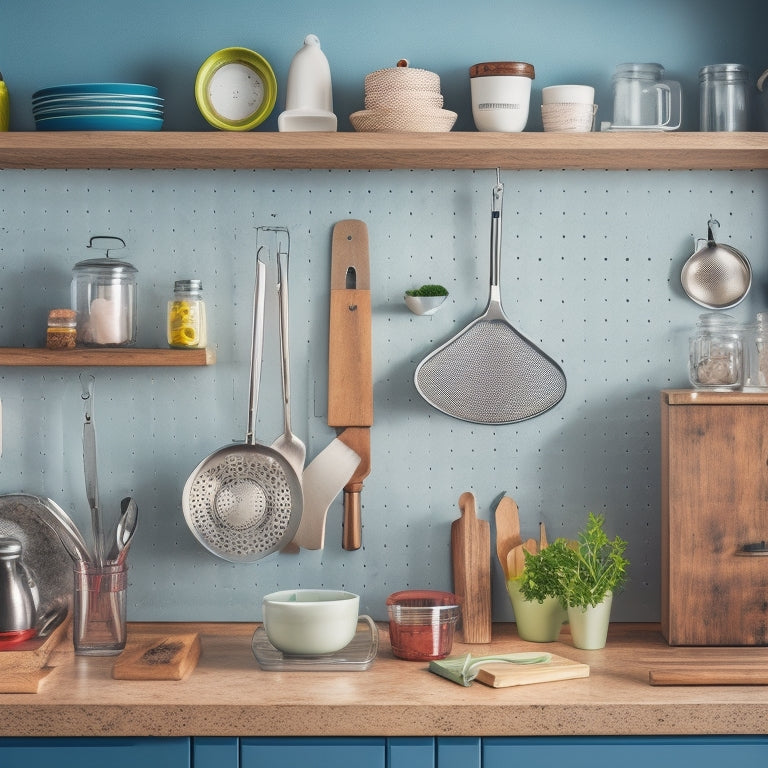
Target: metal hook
87,382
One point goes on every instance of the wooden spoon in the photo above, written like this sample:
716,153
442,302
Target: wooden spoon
507,531
515,561
542,537
531,546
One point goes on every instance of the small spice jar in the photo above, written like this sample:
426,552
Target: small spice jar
62,329
716,359
187,327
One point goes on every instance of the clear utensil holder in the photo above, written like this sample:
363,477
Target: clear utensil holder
99,613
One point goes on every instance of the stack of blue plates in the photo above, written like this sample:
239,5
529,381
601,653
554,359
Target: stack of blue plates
98,107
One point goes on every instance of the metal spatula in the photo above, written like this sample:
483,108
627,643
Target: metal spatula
489,373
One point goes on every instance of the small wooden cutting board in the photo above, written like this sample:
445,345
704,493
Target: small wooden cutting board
158,657
471,560
32,655
500,675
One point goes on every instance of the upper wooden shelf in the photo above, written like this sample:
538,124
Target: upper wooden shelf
105,356
470,150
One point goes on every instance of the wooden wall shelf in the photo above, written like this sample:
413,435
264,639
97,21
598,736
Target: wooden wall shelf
107,356
453,150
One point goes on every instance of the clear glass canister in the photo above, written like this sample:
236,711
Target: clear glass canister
724,97
187,326
716,359
104,295
756,354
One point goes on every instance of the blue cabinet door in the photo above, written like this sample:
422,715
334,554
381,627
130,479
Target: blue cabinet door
95,753
628,752
459,752
214,752
310,752
410,752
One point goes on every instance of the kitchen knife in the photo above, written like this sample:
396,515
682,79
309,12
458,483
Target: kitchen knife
350,365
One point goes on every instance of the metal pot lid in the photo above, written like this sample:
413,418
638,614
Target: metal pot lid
38,523
105,264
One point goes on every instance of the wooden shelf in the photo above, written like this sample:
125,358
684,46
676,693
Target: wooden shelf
124,357
454,150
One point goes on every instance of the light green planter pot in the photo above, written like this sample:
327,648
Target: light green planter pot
589,625
537,622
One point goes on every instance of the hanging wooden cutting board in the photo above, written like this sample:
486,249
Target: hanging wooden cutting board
499,675
158,657
471,561
350,361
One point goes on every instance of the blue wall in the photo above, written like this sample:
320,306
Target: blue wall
591,264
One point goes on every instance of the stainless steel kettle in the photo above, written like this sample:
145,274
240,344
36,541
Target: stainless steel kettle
17,603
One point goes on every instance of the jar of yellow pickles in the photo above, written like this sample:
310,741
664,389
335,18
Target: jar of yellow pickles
186,316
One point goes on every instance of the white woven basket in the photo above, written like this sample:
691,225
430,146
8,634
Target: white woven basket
568,118
401,78
404,99
403,121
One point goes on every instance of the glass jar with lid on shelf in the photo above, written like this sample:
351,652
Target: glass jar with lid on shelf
716,359
187,325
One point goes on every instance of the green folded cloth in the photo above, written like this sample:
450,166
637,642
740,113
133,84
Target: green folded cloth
463,669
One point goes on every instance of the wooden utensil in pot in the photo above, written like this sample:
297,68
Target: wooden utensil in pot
507,531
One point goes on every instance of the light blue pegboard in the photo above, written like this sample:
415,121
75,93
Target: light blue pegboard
590,272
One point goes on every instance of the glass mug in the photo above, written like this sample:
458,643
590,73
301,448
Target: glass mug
642,100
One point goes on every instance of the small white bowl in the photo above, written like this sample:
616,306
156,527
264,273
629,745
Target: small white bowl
568,94
310,622
424,305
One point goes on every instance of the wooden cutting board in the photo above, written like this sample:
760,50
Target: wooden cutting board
471,561
158,657
709,674
32,655
500,675
350,361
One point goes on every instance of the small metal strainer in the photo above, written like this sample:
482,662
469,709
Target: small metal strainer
245,501
716,276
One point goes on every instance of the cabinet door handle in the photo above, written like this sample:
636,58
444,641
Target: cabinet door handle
756,549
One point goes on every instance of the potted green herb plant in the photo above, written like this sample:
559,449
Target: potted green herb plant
425,300
583,575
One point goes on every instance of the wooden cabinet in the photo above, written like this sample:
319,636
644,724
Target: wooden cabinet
714,517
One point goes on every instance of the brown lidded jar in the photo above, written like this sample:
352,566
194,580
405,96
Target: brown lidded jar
62,329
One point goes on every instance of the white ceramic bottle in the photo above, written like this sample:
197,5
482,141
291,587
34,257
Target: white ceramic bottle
309,99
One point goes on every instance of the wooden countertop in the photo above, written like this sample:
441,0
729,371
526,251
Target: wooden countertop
228,694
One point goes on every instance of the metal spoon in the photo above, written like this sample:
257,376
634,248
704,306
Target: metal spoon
130,520
126,525
288,444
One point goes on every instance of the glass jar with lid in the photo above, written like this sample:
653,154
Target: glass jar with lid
104,296
187,326
724,97
716,358
756,354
